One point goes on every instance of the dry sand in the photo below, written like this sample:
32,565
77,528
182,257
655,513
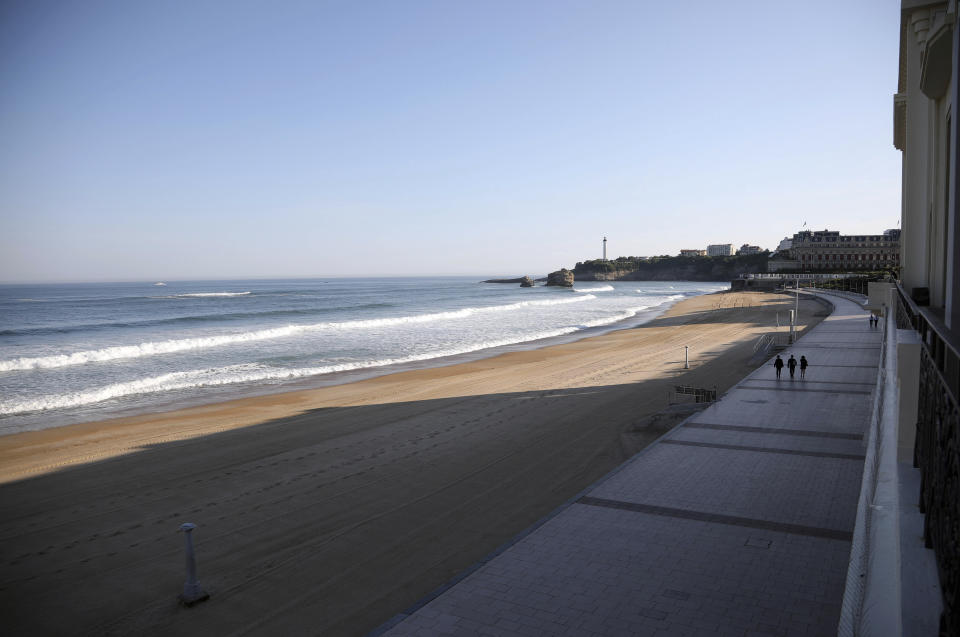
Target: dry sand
328,511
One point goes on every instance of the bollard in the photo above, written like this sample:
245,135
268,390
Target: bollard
192,593
686,357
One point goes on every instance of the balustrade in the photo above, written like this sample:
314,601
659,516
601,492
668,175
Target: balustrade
937,452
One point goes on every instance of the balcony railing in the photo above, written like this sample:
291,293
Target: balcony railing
937,450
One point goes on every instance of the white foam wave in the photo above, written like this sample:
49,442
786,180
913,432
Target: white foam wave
672,297
621,316
202,294
204,342
234,374
602,288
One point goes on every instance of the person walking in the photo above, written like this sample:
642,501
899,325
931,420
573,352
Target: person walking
778,365
803,367
792,365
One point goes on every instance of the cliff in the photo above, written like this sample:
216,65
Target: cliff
671,268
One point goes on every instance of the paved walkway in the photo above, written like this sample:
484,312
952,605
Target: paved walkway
735,523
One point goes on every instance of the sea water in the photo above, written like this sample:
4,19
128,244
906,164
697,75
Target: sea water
81,352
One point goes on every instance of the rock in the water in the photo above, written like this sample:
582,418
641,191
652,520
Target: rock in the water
526,282
562,277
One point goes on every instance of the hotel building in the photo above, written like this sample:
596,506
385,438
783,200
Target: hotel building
830,250
720,250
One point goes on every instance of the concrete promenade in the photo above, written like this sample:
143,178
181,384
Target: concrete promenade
737,522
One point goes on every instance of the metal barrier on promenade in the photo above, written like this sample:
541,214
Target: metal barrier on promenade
700,394
937,449
768,341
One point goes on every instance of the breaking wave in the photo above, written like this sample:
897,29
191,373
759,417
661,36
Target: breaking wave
202,294
204,342
622,316
194,319
244,373
602,288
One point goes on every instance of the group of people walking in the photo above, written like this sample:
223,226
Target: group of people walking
791,365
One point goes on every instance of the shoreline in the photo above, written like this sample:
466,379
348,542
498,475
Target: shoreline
229,393
330,510
95,440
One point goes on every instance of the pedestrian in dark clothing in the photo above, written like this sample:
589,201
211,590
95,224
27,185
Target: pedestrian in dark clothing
792,365
778,364
803,367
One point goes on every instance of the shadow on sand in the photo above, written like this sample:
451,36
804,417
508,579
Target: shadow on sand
327,522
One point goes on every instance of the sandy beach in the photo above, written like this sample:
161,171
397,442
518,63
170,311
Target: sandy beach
327,511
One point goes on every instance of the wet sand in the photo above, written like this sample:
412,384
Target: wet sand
327,511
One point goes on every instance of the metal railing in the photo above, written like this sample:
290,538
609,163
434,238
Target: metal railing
700,394
766,342
937,450
805,276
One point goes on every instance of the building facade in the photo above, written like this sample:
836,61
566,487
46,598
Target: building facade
720,250
830,250
918,406
926,134
748,249
693,253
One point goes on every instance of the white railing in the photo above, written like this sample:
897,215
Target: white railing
871,598
857,298
805,276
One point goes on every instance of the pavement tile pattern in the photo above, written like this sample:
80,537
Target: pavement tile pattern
737,522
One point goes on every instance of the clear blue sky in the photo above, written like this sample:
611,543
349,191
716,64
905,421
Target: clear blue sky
171,140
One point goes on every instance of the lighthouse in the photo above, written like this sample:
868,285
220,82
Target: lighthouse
604,248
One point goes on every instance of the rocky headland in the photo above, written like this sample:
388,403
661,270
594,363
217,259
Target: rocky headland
671,268
524,281
562,278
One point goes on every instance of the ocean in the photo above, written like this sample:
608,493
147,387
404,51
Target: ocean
90,351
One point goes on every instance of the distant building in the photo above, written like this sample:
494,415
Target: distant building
693,253
720,250
830,250
748,249
785,244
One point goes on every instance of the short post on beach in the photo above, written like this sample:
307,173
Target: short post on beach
192,591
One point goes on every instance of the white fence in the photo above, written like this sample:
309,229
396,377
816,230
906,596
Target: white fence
871,598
